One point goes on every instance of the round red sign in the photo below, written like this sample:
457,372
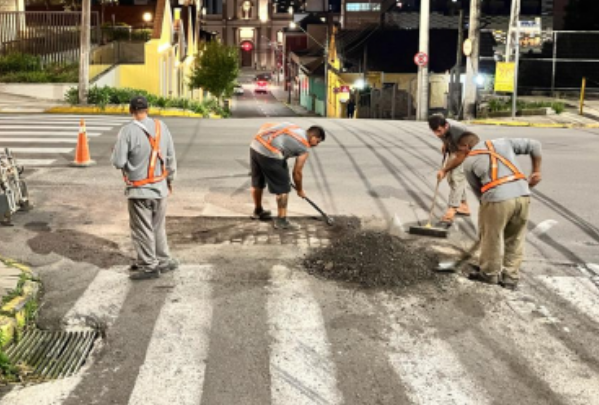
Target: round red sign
247,46
421,59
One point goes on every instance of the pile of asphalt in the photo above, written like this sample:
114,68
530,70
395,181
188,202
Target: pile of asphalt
373,259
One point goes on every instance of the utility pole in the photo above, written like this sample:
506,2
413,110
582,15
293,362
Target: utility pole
455,91
514,18
422,108
84,51
472,61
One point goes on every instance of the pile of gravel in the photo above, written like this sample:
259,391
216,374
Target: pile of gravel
373,259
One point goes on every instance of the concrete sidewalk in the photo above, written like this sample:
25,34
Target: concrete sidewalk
11,103
283,96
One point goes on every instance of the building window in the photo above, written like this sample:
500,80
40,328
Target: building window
246,10
353,7
214,6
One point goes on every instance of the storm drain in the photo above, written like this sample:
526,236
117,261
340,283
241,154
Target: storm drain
50,355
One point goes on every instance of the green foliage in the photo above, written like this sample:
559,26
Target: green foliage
216,69
497,105
20,68
17,62
103,96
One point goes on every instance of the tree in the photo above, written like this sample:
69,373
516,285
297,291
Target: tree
582,15
216,69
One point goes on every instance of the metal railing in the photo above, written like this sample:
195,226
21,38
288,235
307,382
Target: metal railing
54,36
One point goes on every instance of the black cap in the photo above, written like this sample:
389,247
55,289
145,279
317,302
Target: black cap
138,103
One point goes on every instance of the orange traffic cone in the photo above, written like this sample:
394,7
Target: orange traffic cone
82,158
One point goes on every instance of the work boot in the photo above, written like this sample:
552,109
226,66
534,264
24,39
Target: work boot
508,283
483,278
145,274
262,215
169,265
284,224
463,209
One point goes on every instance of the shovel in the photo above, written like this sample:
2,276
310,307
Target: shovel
329,220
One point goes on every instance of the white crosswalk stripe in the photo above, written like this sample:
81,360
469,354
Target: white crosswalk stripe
34,138
302,369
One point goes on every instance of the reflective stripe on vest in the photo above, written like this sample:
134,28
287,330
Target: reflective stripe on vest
155,155
495,157
270,132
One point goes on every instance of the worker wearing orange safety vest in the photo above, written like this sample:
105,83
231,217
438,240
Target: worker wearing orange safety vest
145,153
269,151
495,176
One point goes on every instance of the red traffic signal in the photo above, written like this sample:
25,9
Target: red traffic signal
247,46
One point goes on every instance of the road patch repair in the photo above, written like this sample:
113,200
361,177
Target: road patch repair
28,354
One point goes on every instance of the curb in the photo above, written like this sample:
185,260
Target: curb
122,110
14,313
531,124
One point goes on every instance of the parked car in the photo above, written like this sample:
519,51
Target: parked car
261,87
238,90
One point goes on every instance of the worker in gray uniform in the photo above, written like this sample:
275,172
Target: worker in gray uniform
495,176
145,153
449,132
269,151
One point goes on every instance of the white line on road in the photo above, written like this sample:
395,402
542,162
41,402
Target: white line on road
38,140
431,371
579,291
102,300
89,128
62,132
301,368
35,151
35,162
74,123
543,227
174,369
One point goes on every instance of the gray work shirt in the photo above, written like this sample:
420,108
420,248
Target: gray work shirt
286,144
131,154
478,168
456,130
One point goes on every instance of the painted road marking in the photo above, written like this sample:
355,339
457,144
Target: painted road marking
175,365
301,368
543,227
38,140
90,128
579,291
36,151
35,162
61,132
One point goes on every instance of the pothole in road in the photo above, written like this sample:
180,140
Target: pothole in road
244,231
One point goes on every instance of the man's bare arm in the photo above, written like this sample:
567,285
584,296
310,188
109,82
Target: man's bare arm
300,161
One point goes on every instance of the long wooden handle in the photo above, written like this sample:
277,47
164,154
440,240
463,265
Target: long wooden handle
430,214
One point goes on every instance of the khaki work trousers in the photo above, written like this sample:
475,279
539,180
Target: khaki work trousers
457,184
502,232
147,219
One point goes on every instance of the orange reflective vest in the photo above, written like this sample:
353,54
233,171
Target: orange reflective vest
155,155
268,132
495,157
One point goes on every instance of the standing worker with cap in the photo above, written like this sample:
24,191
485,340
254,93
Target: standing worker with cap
449,131
145,153
504,192
269,151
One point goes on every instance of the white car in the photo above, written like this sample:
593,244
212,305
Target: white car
238,90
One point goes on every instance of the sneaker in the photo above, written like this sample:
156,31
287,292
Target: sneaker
483,278
509,285
170,265
261,215
145,274
284,224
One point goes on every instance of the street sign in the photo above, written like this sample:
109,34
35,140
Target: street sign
467,48
504,77
421,59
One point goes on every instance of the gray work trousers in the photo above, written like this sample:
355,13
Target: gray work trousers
147,219
457,184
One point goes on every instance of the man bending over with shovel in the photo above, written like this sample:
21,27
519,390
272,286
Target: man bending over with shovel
504,192
449,131
269,151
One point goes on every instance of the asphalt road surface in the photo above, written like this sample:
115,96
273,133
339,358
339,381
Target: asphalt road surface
241,323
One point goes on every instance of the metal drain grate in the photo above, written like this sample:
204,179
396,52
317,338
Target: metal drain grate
52,355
